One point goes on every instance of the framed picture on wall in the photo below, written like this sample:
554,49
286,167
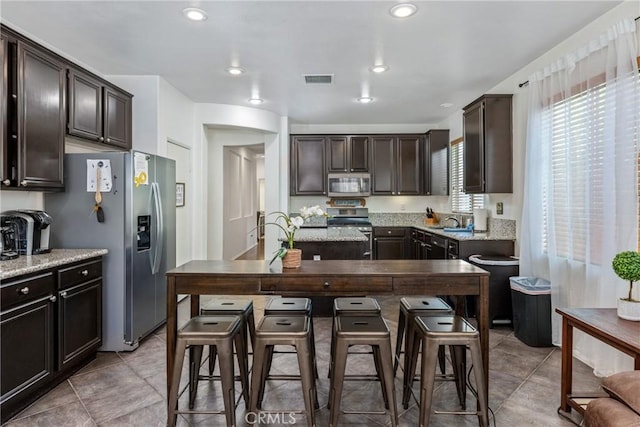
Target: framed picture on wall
179,194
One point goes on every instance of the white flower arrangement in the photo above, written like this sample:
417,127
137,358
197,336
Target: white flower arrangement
291,224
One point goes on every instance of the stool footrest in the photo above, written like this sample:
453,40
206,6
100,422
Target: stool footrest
187,411
457,412
365,412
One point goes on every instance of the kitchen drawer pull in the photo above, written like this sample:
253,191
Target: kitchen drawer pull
6,182
23,183
24,291
101,139
63,294
53,298
325,285
85,273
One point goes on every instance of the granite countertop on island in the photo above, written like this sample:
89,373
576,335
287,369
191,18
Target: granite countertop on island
31,264
328,235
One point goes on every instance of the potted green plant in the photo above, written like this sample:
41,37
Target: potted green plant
627,266
291,257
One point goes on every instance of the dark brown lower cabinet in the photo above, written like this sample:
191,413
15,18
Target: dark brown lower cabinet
50,326
27,337
79,321
390,243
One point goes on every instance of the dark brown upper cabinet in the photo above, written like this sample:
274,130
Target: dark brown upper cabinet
348,153
436,163
37,109
4,75
396,164
488,145
308,167
97,111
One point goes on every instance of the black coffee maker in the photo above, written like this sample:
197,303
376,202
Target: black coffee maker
7,239
31,230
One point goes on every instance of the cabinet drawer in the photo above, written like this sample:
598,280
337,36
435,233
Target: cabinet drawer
388,231
79,273
327,285
439,241
28,289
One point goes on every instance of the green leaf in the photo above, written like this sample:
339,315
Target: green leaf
280,253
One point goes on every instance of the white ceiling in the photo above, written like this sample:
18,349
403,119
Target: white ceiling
449,52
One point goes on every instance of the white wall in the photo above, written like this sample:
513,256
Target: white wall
513,202
212,122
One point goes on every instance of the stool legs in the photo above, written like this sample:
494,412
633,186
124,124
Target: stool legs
402,324
382,358
175,382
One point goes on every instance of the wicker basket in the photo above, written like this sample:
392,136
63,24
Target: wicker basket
292,259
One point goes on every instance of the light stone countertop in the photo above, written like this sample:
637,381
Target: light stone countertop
328,235
31,264
498,229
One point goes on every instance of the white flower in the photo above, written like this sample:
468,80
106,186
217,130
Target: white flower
306,212
297,221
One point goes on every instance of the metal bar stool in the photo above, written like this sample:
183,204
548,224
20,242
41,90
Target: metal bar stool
222,332
435,331
351,306
292,330
292,306
410,308
226,307
362,330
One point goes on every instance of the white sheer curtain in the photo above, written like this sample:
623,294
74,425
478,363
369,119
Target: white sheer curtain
581,180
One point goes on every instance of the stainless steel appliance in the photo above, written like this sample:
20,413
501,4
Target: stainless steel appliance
31,230
349,184
138,230
353,217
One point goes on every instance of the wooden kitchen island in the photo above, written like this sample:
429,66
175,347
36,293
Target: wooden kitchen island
328,278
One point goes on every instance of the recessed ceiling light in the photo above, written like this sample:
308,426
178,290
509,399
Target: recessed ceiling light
446,105
403,10
195,14
235,71
365,99
379,68
256,101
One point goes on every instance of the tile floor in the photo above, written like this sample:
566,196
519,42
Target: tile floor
128,389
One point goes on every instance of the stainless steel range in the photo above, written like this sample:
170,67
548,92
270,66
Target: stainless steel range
350,217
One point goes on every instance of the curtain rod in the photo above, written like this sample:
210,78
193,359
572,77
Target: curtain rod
527,82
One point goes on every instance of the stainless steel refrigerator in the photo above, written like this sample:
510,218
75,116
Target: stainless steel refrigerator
138,229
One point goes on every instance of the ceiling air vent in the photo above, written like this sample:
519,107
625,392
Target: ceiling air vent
323,79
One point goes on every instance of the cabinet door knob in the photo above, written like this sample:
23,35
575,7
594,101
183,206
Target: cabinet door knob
53,298
14,96
101,139
85,272
108,139
6,182
63,294
393,192
24,291
23,183
325,285
388,231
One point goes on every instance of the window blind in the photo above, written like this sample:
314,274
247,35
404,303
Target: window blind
461,202
578,161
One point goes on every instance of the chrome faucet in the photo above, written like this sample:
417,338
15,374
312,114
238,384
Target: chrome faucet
454,219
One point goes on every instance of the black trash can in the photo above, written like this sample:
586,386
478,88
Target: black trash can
531,310
501,268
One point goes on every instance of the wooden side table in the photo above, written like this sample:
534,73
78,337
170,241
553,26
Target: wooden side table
603,324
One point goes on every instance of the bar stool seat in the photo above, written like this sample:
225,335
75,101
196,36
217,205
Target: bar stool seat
355,306
435,331
362,330
292,306
222,332
243,308
294,330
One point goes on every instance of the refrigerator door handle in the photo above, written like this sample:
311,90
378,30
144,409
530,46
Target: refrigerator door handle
157,242
159,229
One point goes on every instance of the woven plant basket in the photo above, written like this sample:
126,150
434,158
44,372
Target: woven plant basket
292,258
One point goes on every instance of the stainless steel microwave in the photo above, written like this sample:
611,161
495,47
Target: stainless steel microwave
349,184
